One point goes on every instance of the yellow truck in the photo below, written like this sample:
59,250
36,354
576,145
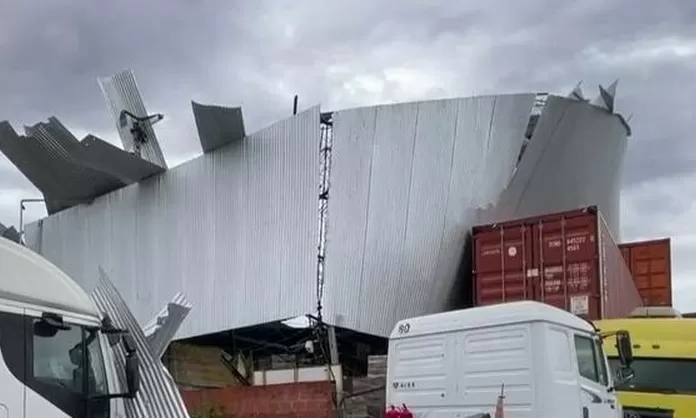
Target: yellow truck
664,351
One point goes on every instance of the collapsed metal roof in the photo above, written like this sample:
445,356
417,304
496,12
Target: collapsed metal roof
69,172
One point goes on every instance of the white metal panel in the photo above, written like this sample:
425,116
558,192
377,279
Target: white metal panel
235,230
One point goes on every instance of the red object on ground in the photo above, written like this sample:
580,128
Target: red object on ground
405,413
392,412
650,263
568,260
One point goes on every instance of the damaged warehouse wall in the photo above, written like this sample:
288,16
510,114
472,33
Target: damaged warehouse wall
236,229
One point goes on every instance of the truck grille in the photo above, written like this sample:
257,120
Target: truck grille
633,412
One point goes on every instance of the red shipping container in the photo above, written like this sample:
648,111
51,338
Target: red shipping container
650,263
568,260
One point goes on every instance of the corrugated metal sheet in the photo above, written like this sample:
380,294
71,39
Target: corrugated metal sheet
235,230
217,125
408,181
574,159
121,93
30,159
161,329
404,179
67,171
107,158
158,395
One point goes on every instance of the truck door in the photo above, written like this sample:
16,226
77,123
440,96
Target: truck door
12,363
593,378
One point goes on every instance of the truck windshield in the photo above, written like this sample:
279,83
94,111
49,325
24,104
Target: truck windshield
59,360
662,375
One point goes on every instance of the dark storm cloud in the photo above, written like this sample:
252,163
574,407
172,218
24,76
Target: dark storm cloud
259,53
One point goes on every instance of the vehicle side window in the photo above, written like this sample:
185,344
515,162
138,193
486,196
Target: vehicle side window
58,357
587,363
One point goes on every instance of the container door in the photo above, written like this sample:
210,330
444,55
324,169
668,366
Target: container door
566,262
501,259
650,265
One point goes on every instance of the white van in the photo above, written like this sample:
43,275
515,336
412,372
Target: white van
547,363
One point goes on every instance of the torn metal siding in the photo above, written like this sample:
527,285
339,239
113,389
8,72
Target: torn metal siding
404,181
124,166
67,171
121,93
218,126
574,159
158,395
235,230
409,181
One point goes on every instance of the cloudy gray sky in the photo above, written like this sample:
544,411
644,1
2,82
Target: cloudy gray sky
345,53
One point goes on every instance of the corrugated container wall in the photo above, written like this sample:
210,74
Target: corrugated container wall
650,263
568,260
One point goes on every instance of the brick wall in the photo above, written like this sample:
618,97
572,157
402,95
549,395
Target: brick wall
310,400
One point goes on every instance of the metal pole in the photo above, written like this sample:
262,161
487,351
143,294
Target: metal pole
21,215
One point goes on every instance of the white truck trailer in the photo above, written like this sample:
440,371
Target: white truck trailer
56,347
545,362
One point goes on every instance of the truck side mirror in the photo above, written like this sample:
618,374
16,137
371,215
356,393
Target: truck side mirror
132,365
132,374
624,347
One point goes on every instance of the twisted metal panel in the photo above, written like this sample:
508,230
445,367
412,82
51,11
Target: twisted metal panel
574,159
158,395
235,230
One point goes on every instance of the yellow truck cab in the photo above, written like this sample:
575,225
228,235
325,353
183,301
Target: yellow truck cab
664,350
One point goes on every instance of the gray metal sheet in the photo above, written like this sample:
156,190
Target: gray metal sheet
408,182
217,125
158,395
30,159
163,327
576,156
120,164
405,182
121,93
9,233
67,171
235,230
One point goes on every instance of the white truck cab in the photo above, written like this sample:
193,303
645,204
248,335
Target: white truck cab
56,348
547,363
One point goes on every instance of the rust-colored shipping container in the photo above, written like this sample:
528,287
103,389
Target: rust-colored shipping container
650,263
568,260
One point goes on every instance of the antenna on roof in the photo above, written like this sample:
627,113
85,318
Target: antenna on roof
294,105
132,120
138,127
